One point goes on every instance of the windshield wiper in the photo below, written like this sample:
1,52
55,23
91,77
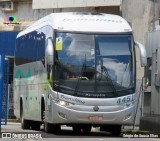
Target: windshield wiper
80,76
79,79
108,78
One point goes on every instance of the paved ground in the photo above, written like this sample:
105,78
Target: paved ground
67,134
15,126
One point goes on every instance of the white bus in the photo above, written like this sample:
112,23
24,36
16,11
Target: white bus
76,69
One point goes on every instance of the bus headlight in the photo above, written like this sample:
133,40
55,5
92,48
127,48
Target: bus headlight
64,103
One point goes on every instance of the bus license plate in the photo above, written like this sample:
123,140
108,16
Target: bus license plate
95,117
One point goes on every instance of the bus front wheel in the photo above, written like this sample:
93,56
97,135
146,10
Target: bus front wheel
115,130
86,129
76,129
47,127
51,128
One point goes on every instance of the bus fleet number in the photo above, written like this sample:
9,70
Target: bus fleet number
125,99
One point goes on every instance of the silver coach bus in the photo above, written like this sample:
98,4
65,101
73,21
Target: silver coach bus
76,69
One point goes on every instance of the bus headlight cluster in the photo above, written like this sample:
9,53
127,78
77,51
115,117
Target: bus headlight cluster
64,103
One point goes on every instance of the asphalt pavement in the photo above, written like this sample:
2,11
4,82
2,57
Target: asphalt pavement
13,130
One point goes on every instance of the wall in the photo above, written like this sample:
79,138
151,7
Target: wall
26,15
140,14
41,4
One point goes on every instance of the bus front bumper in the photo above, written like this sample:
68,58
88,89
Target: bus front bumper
63,115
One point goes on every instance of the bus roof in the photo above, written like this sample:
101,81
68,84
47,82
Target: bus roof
82,22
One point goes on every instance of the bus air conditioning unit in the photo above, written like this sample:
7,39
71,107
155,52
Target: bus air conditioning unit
6,5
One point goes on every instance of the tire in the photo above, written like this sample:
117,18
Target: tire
51,128
86,129
47,127
115,130
35,126
56,128
25,124
76,129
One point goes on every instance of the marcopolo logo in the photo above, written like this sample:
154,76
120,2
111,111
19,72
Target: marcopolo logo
11,20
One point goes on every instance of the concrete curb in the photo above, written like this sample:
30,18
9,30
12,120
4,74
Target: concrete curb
11,120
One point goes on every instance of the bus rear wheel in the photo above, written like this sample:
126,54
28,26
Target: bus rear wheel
25,124
35,125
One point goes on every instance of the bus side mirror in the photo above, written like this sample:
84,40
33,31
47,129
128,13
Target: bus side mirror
49,52
143,54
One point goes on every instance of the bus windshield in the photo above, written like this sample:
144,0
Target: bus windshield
89,65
